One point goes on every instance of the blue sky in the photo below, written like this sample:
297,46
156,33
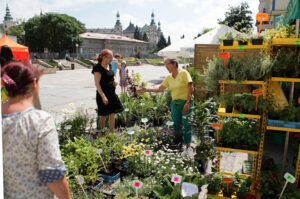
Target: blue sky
177,17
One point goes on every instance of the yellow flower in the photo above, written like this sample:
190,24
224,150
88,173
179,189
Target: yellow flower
159,142
142,139
148,145
155,140
136,153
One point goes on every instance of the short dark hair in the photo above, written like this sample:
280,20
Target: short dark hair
118,55
6,55
172,61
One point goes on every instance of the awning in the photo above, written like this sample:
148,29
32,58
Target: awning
20,52
292,12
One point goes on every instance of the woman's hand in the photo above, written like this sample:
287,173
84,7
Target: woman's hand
115,83
141,91
104,99
186,107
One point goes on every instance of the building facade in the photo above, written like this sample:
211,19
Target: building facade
152,31
94,43
274,8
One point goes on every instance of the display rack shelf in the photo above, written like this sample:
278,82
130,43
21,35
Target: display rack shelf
236,46
222,112
285,79
236,150
274,128
241,82
286,42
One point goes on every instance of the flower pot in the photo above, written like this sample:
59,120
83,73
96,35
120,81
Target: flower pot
227,42
99,185
110,177
257,41
243,43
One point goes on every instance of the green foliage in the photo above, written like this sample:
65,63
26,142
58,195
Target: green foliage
155,61
145,37
86,61
256,67
79,123
289,113
162,43
56,32
238,17
239,132
90,195
137,33
52,63
17,30
214,183
81,158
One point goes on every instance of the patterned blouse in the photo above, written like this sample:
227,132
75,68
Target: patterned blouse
31,155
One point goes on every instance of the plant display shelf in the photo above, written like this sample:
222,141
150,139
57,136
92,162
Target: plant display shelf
241,82
285,79
242,47
285,42
274,128
254,153
220,195
222,112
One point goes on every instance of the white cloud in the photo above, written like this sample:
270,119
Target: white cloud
184,3
141,3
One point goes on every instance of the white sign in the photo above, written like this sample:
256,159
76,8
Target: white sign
144,120
137,184
130,132
68,127
176,178
188,189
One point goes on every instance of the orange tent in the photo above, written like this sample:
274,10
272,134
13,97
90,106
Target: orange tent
20,52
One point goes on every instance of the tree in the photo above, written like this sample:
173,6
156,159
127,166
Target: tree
137,33
145,37
238,17
56,32
161,43
204,30
169,41
17,30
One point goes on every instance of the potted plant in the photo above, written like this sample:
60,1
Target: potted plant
242,191
257,40
242,40
227,39
228,189
214,184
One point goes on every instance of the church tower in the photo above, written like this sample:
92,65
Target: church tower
8,20
118,26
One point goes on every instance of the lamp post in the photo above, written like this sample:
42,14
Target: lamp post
77,50
23,33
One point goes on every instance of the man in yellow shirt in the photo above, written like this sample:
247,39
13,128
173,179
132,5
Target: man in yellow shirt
180,83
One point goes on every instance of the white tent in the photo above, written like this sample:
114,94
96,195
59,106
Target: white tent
211,37
173,50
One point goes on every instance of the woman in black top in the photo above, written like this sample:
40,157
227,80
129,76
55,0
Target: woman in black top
107,100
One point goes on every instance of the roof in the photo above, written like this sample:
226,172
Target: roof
145,27
93,35
130,28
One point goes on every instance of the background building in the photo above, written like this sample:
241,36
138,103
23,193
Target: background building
153,32
7,22
95,42
274,8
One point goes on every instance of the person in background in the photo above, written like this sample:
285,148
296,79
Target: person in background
123,76
115,63
180,83
32,163
6,55
107,100
67,56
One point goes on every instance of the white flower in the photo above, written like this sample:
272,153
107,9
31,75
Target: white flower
68,127
65,110
71,105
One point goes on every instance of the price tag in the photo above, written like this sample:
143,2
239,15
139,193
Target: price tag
189,189
148,152
99,151
297,42
144,120
217,127
68,127
176,178
224,56
257,93
261,17
80,180
241,115
131,132
241,47
213,197
290,178
222,110
197,141
137,184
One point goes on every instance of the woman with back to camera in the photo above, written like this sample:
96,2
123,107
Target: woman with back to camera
107,100
32,163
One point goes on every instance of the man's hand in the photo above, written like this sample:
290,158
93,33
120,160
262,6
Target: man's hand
141,91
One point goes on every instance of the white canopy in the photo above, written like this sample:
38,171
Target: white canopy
173,50
211,37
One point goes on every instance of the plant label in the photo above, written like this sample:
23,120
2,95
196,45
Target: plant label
298,100
224,56
176,178
217,127
126,109
148,152
242,115
257,93
99,151
80,180
68,127
197,141
170,123
144,120
131,132
237,82
188,189
261,17
154,107
290,178
241,47
58,127
137,184
297,42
